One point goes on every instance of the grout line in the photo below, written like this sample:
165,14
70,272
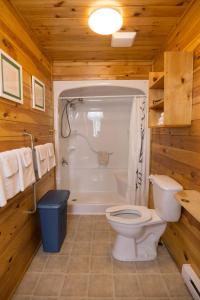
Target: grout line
61,286
75,229
37,282
165,286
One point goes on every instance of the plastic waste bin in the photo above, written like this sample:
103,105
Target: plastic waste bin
53,216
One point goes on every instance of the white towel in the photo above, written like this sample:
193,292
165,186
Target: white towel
26,169
51,156
3,198
41,160
9,176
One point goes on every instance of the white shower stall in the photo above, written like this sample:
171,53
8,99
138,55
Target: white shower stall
92,120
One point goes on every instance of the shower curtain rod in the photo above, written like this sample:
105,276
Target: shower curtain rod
94,97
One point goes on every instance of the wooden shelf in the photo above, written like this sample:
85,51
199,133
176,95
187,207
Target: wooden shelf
157,81
174,87
158,104
190,200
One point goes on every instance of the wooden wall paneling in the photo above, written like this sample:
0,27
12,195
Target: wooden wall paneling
184,237
176,151
20,236
69,70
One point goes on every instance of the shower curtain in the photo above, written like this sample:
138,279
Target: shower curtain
138,162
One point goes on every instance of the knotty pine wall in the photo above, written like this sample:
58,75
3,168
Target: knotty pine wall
19,232
94,70
176,151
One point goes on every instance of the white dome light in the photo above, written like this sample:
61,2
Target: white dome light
105,21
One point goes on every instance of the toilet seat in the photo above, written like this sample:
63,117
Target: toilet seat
129,214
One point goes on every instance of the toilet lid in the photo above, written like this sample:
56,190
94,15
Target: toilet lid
128,214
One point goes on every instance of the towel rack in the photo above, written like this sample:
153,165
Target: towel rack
32,142
32,211
26,133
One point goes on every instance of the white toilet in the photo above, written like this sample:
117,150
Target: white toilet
140,228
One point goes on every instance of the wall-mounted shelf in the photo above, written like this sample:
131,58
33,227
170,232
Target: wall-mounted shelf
157,80
190,200
158,104
174,87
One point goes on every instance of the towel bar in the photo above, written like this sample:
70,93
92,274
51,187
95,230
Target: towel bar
33,211
32,142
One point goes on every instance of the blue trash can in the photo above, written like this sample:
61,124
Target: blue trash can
53,216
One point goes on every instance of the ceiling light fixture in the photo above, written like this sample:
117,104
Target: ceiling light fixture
105,21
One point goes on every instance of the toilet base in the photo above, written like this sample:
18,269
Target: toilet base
127,249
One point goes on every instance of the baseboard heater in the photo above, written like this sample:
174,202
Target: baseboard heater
191,280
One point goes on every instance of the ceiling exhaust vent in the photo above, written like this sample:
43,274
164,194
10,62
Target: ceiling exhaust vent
123,39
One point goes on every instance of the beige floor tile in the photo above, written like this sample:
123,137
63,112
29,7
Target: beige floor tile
41,251
102,236
43,298
28,284
92,273
147,267
123,266
181,298
162,250
127,285
101,264
73,217
166,264
101,248
102,226
100,298
113,236
85,227
132,298
57,264
87,219
152,285
100,218
38,263
75,285
72,298
66,247
72,226
81,248
100,285
70,236
78,264
49,285
85,236
157,298
175,285
21,297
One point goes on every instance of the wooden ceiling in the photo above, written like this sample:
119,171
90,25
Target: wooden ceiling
62,30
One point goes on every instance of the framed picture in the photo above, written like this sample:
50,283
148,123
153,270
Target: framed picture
10,78
38,94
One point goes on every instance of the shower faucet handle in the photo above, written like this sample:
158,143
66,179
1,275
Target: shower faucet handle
64,162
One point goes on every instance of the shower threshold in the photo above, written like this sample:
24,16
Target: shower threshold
93,202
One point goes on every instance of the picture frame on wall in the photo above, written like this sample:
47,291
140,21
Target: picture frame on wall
38,94
11,86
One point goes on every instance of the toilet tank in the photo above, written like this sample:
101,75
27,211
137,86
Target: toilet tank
164,190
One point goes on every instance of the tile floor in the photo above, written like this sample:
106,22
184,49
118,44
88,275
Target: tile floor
85,270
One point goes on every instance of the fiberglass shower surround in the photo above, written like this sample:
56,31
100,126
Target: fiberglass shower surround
98,145
102,156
